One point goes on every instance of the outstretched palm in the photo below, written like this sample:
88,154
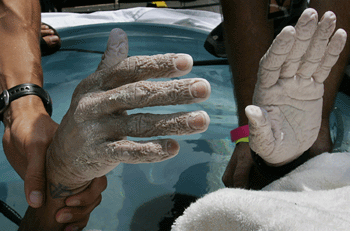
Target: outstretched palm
288,95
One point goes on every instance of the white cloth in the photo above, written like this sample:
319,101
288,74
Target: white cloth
199,19
315,196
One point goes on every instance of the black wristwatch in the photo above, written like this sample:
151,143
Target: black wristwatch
274,173
18,91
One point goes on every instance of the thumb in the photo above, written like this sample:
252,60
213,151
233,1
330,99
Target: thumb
117,49
261,139
35,180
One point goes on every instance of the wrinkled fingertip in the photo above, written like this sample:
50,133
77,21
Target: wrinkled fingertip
342,33
288,33
309,14
255,115
173,147
201,89
337,43
199,121
329,15
184,62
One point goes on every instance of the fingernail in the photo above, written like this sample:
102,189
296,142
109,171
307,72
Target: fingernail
45,27
36,198
172,147
183,62
64,217
199,89
71,228
255,115
197,121
54,39
52,32
74,202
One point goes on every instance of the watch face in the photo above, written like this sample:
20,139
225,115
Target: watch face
23,90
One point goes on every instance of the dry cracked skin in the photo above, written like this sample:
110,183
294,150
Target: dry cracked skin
92,137
286,117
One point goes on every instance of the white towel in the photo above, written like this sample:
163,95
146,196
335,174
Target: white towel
315,196
199,19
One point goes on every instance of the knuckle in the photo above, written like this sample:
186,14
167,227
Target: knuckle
85,106
35,179
139,124
143,91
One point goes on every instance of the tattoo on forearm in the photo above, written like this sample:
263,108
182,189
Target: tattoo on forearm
59,191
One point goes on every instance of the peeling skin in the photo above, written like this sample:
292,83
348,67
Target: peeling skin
92,137
290,88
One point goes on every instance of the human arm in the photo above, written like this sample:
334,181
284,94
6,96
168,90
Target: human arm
91,139
28,127
286,117
248,34
240,171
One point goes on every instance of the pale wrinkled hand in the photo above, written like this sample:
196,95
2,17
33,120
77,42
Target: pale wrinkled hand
288,95
91,140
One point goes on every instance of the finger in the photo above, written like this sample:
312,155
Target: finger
44,27
271,63
51,40
46,32
90,194
76,214
143,94
117,49
132,152
149,125
261,138
318,45
331,56
138,68
305,28
35,180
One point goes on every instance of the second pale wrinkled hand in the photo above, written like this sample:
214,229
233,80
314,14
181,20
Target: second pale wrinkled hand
286,118
91,140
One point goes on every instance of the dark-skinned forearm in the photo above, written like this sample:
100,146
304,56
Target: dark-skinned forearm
248,35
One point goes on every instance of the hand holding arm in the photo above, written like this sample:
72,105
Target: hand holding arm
91,140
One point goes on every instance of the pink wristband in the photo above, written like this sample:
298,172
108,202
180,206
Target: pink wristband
239,133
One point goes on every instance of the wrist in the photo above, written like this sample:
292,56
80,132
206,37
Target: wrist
30,105
62,181
240,134
274,172
13,99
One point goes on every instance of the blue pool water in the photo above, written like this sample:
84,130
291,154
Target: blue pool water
146,196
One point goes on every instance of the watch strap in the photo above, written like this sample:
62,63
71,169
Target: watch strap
21,90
